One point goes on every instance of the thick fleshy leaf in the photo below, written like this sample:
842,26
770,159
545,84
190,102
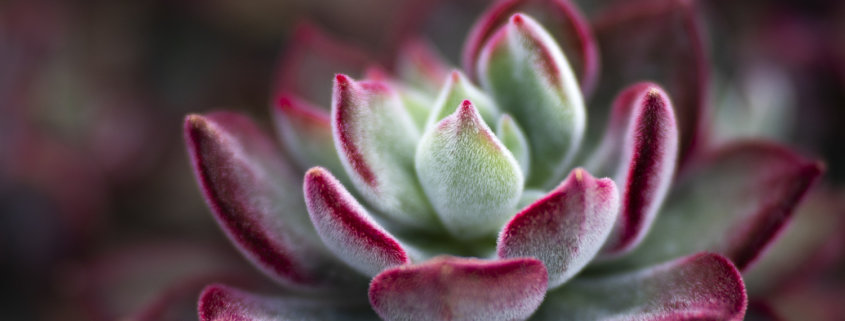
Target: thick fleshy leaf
607,158
419,64
457,89
566,228
734,203
346,228
256,198
527,74
313,58
450,288
704,286
306,133
650,153
661,40
574,27
222,303
514,139
471,179
376,140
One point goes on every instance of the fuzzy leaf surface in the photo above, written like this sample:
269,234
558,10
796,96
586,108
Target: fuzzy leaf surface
527,74
451,288
471,179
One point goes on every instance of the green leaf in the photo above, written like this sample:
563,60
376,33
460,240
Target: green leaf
529,77
471,179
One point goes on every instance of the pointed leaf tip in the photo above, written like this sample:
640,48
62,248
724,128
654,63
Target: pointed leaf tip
566,228
450,288
346,227
650,154
373,130
528,76
255,199
703,286
471,179
575,29
457,88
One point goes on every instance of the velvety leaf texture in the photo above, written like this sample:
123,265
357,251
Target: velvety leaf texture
450,288
734,202
457,89
376,140
471,179
513,137
573,23
252,193
699,287
527,74
607,158
346,227
650,153
566,228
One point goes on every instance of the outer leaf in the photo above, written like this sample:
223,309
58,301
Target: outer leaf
457,89
306,133
666,36
420,65
566,228
450,288
471,179
346,227
514,139
698,287
376,140
571,20
651,151
255,198
607,158
527,74
734,203
222,303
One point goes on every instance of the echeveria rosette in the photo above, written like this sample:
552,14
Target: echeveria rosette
414,207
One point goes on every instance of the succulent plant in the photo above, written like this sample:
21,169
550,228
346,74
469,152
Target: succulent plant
453,196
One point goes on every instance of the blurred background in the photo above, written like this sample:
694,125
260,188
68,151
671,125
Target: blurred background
101,219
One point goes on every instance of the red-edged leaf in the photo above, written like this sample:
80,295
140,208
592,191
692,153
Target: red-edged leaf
608,156
346,227
256,198
471,179
310,62
526,73
734,203
659,40
306,133
649,154
566,228
704,286
222,303
451,288
574,30
376,140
